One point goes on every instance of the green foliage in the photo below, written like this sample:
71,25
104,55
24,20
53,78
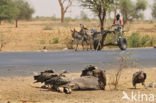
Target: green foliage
99,7
136,40
145,41
131,10
154,10
25,11
47,27
8,10
55,40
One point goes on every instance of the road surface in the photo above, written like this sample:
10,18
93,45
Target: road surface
26,63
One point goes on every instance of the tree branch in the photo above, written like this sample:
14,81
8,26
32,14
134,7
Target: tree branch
69,5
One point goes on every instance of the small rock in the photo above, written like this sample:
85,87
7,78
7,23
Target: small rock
65,49
152,84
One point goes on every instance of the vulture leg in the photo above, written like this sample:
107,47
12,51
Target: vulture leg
76,46
144,85
134,86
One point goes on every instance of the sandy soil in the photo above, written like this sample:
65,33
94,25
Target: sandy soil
23,90
32,36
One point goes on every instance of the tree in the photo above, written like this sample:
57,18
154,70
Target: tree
8,10
83,16
154,10
131,10
99,7
64,5
25,11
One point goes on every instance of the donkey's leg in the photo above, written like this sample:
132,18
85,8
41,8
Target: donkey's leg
97,46
77,46
87,45
90,45
82,45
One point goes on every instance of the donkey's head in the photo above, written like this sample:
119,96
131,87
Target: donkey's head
81,26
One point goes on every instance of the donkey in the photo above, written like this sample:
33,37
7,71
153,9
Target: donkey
78,38
88,35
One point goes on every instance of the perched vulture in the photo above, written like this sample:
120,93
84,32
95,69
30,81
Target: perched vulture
88,71
139,77
98,73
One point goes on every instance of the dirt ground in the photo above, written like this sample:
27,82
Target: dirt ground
32,36
23,90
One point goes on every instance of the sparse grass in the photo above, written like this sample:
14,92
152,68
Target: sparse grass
137,40
29,35
47,27
55,40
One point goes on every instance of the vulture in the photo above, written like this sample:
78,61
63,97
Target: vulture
51,78
98,73
91,78
47,74
139,77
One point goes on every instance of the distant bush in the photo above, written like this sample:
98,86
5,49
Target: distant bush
47,27
42,42
145,41
68,19
55,40
54,18
84,16
136,40
42,18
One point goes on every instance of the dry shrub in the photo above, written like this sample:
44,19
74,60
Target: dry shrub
115,77
3,41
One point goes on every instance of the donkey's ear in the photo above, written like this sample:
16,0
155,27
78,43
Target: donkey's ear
71,30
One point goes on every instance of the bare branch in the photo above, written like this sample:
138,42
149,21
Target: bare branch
69,5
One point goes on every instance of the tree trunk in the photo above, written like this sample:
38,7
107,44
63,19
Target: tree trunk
16,23
102,26
62,15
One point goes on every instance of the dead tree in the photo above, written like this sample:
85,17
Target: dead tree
64,5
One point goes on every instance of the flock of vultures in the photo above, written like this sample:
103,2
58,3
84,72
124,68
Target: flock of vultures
91,78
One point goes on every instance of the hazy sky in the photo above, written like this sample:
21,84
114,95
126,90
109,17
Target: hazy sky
51,7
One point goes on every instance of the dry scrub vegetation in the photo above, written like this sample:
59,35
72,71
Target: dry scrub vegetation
34,35
21,89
